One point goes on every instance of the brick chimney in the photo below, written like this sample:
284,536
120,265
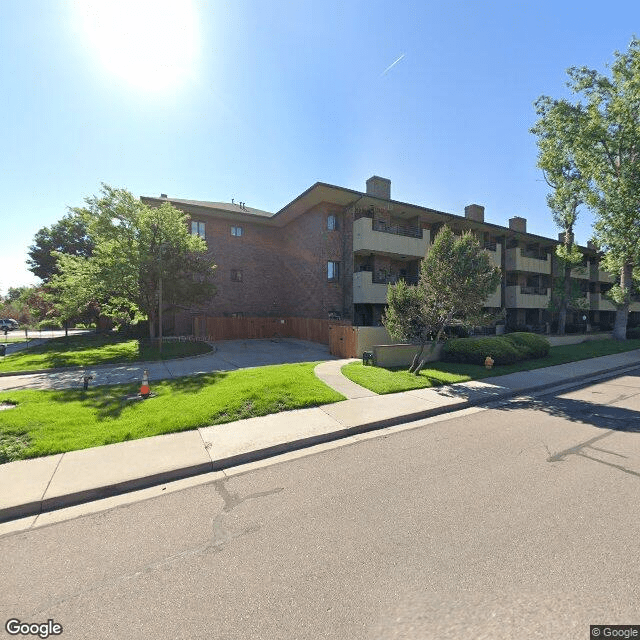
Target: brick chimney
561,237
379,187
474,212
518,224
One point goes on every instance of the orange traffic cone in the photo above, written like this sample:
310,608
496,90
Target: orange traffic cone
144,389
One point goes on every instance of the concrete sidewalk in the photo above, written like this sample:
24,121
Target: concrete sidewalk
30,487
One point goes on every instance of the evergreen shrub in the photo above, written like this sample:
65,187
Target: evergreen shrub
507,349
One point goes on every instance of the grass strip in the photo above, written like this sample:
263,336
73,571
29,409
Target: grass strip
398,379
91,350
48,422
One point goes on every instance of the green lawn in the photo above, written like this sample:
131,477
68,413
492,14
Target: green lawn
47,422
94,349
398,379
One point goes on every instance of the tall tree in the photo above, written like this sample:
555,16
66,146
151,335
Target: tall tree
69,236
559,122
136,249
606,148
456,277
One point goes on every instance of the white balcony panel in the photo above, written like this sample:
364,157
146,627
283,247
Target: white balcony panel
515,261
367,291
496,255
515,299
495,299
581,273
603,276
600,303
365,239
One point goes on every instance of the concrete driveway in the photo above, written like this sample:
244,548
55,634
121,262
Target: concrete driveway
228,356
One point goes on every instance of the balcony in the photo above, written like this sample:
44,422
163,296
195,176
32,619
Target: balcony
603,276
370,236
518,297
599,303
581,272
495,299
518,260
371,289
495,251
365,290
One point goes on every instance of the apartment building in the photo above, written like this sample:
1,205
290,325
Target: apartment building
332,252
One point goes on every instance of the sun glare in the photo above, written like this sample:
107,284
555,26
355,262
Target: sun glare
150,44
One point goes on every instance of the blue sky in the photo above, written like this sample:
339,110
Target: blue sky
258,100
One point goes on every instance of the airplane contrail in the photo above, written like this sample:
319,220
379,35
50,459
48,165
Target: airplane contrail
393,64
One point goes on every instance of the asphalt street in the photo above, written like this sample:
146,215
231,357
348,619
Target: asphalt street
517,521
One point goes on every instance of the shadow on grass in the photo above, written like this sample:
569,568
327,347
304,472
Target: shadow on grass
110,401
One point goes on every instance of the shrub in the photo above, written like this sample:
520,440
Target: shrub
475,350
633,333
507,349
534,346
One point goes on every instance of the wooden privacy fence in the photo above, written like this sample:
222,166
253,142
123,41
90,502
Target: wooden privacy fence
210,328
343,340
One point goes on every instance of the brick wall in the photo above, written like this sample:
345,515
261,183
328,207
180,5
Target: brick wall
256,256
283,270
307,247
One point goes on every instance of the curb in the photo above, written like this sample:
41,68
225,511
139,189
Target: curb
79,497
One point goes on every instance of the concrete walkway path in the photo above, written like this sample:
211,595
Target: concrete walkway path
329,372
228,356
31,488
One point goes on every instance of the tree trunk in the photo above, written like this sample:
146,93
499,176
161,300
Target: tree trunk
622,313
564,301
152,325
418,369
416,359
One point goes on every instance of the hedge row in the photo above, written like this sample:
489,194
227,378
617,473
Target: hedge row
507,349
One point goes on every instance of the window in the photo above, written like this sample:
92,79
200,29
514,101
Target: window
332,223
236,275
197,228
333,270
236,231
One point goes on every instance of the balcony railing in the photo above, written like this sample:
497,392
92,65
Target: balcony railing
393,279
397,229
534,291
534,254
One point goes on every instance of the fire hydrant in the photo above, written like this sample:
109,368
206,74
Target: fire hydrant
488,362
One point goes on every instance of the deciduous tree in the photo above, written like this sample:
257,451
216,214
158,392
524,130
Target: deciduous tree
558,122
603,138
135,247
456,277
68,236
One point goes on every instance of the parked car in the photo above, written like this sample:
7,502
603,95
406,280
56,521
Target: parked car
9,324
